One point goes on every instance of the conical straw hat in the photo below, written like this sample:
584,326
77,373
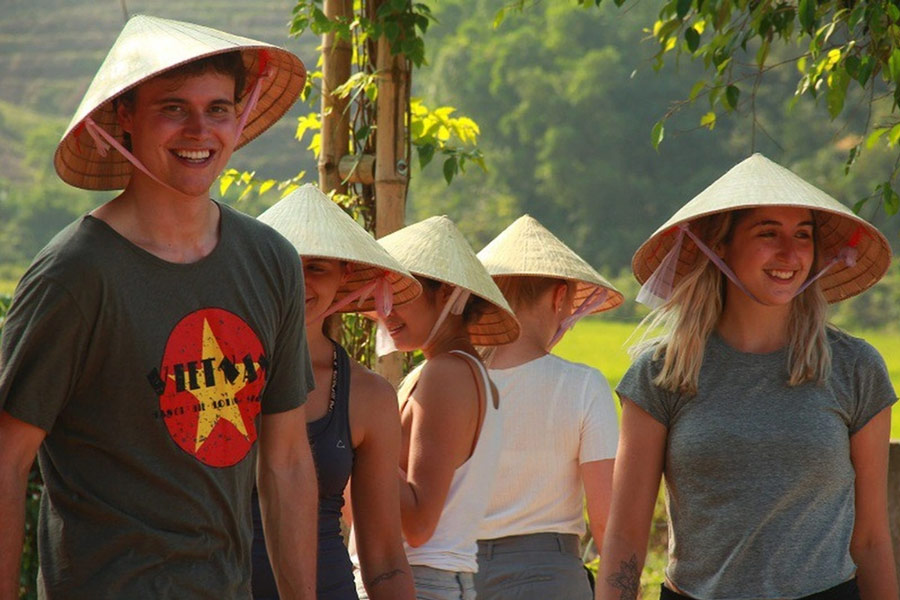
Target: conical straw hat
147,47
527,248
757,181
434,248
318,227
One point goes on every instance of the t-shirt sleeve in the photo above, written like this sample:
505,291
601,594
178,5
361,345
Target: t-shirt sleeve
42,350
637,385
600,427
872,386
291,370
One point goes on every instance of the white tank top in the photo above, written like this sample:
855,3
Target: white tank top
454,544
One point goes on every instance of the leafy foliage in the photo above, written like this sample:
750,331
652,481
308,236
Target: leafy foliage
835,45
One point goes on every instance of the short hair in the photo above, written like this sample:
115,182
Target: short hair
226,63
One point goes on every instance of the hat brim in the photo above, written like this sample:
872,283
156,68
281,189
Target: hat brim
77,160
834,230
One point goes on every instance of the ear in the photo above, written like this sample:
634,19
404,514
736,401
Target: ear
124,116
560,296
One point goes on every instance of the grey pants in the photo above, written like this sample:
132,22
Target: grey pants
433,584
538,566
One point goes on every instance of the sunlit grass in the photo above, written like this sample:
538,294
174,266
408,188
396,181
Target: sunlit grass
601,344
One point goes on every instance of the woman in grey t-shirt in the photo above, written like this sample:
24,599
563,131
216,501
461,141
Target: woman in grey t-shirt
770,427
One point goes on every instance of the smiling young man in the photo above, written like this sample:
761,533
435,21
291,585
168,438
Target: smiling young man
154,354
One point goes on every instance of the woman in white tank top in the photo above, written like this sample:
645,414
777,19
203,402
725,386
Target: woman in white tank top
448,407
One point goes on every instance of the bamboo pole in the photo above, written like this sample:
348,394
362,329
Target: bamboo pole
336,58
337,55
391,179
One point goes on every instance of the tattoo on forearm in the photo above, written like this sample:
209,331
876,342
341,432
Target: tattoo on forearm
385,576
628,579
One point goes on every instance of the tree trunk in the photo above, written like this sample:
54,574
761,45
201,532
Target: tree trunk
391,158
336,58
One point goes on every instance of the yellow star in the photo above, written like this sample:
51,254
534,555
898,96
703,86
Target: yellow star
217,401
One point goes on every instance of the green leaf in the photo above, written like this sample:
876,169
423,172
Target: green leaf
682,8
498,18
692,38
450,168
426,153
657,135
858,206
732,93
867,65
695,91
807,15
890,199
837,91
708,120
873,137
894,135
894,65
852,64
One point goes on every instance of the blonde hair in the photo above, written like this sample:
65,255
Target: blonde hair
696,304
522,291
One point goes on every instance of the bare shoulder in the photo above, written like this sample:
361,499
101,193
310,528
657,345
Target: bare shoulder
446,377
370,389
373,406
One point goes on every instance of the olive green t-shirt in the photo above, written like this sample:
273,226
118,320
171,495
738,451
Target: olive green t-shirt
149,378
759,482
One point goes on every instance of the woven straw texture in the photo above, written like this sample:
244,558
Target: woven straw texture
147,47
434,248
757,181
527,248
319,228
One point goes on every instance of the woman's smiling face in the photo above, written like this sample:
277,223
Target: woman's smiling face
771,251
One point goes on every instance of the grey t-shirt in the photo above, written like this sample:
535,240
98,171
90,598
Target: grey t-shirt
759,482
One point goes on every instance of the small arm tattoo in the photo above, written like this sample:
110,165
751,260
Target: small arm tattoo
385,576
628,579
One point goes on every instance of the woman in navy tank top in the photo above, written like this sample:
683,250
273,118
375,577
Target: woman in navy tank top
352,421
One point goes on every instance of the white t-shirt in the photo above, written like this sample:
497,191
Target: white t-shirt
556,416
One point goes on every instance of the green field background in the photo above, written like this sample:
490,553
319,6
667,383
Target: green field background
602,344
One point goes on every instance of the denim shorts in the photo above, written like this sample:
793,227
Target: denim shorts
538,565
845,591
433,584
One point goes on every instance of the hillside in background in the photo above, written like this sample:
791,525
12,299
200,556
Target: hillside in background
50,50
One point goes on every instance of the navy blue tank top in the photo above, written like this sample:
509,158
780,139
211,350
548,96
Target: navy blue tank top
332,450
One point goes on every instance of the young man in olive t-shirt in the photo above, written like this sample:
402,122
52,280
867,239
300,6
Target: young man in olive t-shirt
155,349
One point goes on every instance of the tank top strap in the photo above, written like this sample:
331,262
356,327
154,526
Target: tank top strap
342,389
485,379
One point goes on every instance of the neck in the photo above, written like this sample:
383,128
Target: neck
451,335
536,332
320,346
177,229
749,326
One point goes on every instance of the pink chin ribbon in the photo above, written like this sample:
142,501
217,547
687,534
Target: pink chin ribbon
103,140
379,288
591,303
658,287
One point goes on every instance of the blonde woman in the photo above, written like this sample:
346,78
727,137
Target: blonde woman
351,418
559,424
448,406
770,427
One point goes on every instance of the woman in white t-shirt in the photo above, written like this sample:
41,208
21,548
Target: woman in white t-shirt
448,407
559,424
770,427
